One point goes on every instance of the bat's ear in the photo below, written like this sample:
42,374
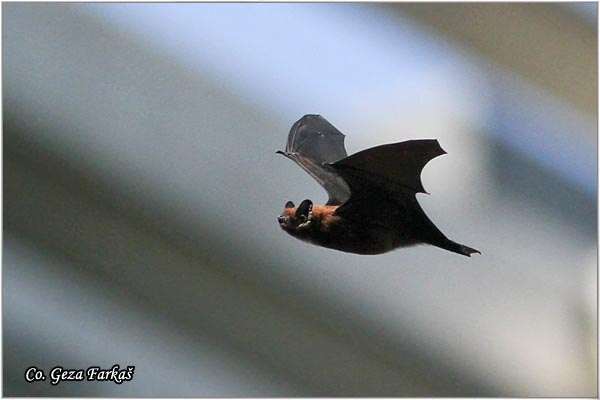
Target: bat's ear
289,204
304,209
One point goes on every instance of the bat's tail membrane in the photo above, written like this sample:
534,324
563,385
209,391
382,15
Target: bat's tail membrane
429,233
457,248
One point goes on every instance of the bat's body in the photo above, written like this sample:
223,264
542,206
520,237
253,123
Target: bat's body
372,205
331,231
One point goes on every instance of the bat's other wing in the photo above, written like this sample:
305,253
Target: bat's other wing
312,143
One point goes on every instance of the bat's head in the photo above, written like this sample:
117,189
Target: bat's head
296,221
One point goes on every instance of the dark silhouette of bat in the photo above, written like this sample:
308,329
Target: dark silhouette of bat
372,205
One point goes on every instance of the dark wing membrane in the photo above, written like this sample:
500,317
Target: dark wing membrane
383,182
396,165
314,142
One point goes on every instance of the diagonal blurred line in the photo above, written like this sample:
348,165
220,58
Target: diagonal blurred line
49,203
543,42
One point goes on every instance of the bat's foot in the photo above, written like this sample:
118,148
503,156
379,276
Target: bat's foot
457,248
467,251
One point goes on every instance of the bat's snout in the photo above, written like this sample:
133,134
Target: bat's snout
283,220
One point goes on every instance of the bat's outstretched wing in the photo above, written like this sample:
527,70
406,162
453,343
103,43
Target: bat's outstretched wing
313,143
384,181
396,166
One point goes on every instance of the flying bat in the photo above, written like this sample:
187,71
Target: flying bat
372,206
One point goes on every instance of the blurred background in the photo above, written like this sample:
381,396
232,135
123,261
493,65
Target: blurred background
141,190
